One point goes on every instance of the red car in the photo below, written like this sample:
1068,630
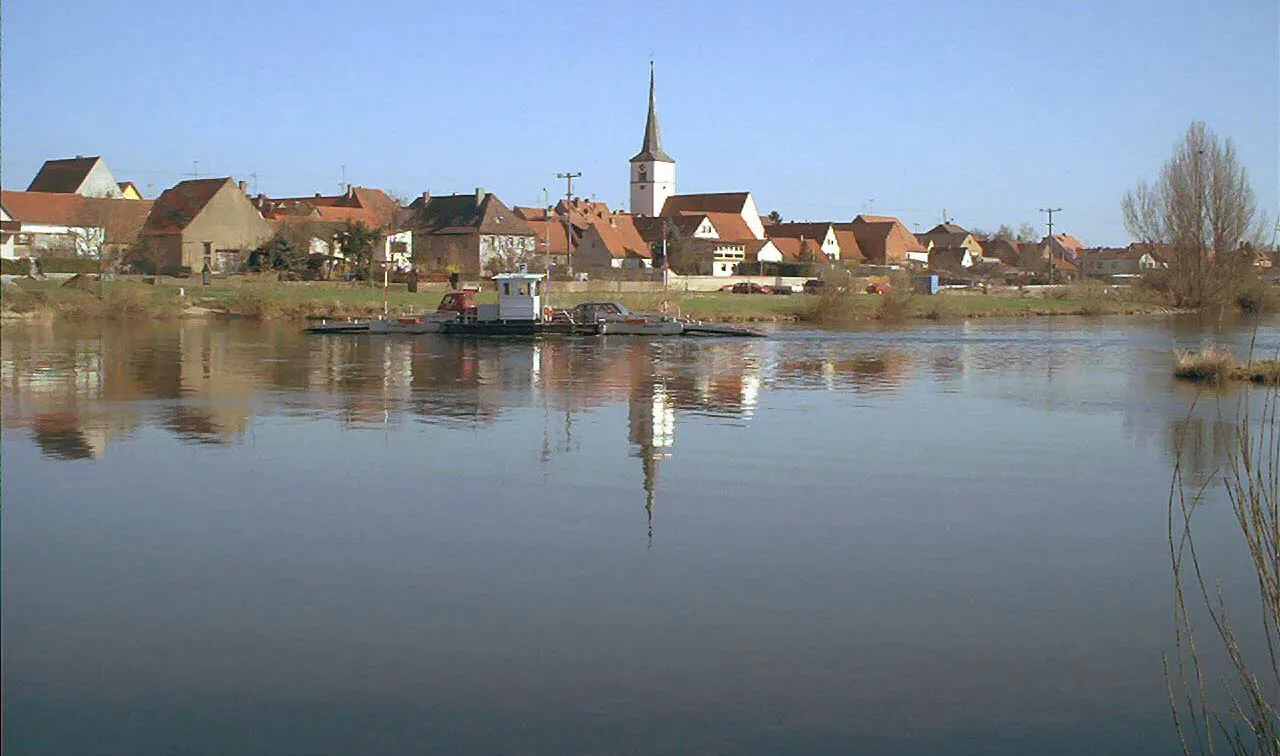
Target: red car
878,288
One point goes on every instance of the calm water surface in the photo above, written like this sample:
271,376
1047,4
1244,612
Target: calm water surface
226,538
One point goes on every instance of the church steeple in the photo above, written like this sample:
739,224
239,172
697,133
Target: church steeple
653,172
652,147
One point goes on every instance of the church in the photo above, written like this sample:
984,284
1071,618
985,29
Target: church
653,187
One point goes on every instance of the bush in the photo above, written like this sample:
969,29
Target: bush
68,265
19,267
258,301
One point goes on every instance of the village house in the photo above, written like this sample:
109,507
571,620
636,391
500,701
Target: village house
720,207
469,233
797,250
202,223
50,224
950,238
129,190
1105,262
86,176
9,228
331,215
1003,249
551,239
614,243
822,233
884,240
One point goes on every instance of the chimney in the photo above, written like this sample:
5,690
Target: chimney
426,197
244,187
480,192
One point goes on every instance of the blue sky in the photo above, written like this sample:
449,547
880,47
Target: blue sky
821,109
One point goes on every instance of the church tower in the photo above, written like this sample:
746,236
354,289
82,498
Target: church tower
653,172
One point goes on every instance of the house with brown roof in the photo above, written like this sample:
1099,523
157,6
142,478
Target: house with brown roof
951,238
1109,261
718,204
551,238
86,176
470,233
613,243
53,224
822,233
797,250
372,208
202,222
884,240
1001,248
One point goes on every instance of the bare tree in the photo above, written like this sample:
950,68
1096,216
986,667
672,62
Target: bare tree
104,228
1027,232
1199,212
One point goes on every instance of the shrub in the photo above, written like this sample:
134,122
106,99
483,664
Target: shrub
1210,365
259,301
69,265
20,267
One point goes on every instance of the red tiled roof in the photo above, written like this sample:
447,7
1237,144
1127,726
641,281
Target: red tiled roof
621,238
349,215
531,213
551,233
730,226
848,241
583,213
122,218
385,211
796,250
178,205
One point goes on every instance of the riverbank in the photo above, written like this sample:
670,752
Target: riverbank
123,300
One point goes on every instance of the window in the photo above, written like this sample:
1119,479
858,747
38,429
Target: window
506,289
522,290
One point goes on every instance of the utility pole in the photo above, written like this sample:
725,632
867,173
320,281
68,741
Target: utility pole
568,177
1050,211
546,249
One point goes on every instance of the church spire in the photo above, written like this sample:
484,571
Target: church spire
652,147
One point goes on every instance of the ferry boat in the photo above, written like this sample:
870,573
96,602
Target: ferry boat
520,312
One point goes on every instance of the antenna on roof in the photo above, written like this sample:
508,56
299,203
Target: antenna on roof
343,182
195,169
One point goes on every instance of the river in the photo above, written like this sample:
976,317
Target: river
234,538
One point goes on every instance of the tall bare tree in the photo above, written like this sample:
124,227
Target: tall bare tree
1199,212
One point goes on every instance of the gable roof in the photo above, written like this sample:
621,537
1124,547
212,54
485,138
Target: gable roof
884,238
1067,241
531,213
620,237
380,211
729,226
848,241
125,186
796,230
64,176
460,213
178,205
121,218
716,202
946,228
583,213
552,232
794,249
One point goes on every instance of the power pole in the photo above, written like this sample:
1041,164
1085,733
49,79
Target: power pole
1050,211
568,177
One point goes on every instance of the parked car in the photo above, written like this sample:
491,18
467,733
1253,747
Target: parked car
748,287
785,289
878,288
814,286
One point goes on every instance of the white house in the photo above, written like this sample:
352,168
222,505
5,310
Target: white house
52,224
85,176
822,233
8,230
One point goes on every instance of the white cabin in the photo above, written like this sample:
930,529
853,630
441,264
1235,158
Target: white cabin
519,295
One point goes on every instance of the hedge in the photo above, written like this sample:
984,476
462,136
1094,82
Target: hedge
68,265
19,267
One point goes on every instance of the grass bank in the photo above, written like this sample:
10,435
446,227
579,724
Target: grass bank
1217,365
270,299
